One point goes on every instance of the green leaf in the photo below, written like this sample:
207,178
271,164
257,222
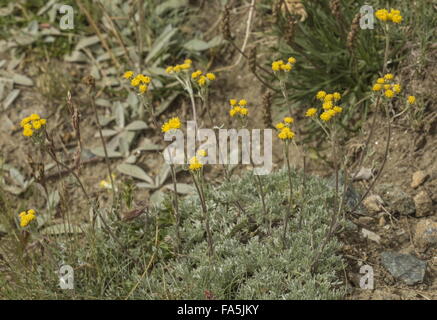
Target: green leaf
135,171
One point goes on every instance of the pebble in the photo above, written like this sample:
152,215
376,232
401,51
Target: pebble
424,205
425,235
373,204
405,267
418,178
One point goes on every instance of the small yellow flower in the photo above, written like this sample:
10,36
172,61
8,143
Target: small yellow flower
377,87
286,67
288,120
387,86
411,99
389,76
27,126
172,124
202,153
195,164
143,88
321,95
327,115
337,96
169,69
177,68
26,218
36,124
337,109
22,213
328,97
128,74
135,82
188,61
311,112
202,81
396,18
34,117
233,102
276,65
244,111
210,76
196,74
292,60
389,93
397,88
286,134
27,132
31,211
42,121
25,121
382,14
242,102
380,81
327,105
280,125
232,112
185,66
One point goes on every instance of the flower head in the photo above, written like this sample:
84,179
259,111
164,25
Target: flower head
327,115
285,134
288,120
27,217
32,124
128,74
172,124
321,95
389,93
195,164
311,112
411,99
210,76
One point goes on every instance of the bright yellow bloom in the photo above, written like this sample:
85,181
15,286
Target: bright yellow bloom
196,74
286,134
328,97
185,66
337,96
173,123
42,121
380,81
286,67
244,111
135,82
22,213
25,121
210,76
397,88
27,126
31,211
202,81
292,60
232,112
387,86
143,88
327,115
34,117
26,218
242,102
276,65
280,125
36,124
233,102
396,18
188,61
377,87
288,120
321,95
411,99
169,70
337,109
27,132
389,93
327,105
389,76
311,112
382,14
195,164
128,74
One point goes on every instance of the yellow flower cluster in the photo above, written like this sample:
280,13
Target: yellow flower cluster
279,65
195,164
179,67
385,15
285,132
27,217
201,79
141,81
238,108
329,106
172,124
411,99
31,124
384,84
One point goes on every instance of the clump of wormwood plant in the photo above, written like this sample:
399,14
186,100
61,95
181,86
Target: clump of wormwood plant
248,262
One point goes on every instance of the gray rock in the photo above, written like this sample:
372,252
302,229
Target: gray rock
425,234
418,178
396,199
404,266
423,204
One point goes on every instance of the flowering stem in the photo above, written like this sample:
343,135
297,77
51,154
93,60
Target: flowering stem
176,208
290,196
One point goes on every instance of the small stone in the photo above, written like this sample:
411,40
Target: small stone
365,220
382,221
423,204
373,204
363,174
425,235
404,266
418,178
371,235
396,199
